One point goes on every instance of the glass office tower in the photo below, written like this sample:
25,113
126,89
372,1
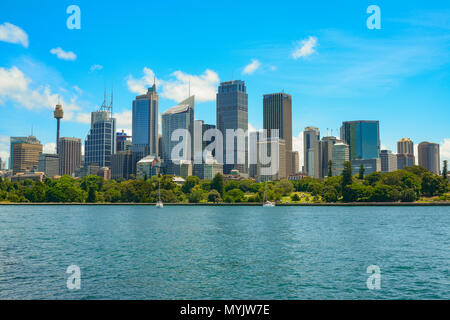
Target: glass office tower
178,117
145,124
232,113
363,138
100,143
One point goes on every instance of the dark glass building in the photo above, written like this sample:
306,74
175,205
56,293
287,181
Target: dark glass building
363,138
100,143
232,113
145,123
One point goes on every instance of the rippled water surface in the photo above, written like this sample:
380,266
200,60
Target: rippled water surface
140,252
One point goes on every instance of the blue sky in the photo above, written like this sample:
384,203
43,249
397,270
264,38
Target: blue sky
399,74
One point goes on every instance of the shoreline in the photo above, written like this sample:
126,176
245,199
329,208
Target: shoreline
244,204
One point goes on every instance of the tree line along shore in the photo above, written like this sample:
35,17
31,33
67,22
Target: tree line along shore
410,185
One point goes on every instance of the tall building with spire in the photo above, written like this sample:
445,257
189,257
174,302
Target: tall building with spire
145,124
100,143
178,117
58,115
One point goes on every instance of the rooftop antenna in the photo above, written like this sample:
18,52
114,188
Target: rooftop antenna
112,97
189,87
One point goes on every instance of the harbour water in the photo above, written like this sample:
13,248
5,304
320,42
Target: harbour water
207,252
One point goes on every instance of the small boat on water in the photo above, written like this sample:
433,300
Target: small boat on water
267,203
159,204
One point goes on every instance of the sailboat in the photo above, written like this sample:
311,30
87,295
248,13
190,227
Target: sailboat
159,204
267,203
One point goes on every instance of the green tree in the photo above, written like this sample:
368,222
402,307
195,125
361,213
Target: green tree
361,172
295,197
346,181
432,185
190,183
330,169
285,186
214,196
92,195
235,195
218,183
444,170
195,196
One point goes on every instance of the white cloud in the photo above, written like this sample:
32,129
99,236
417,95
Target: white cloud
64,55
13,34
83,117
297,145
49,148
139,86
95,67
203,86
4,148
124,121
305,48
252,67
445,149
15,87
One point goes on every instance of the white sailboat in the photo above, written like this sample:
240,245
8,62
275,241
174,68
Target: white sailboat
159,204
267,203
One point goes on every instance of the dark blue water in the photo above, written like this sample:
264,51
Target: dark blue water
140,252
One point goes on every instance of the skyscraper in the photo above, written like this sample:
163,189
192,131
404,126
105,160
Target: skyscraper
388,161
69,155
100,143
232,113
277,114
12,142
405,153
311,138
429,158
363,138
178,117
49,164
340,155
26,155
58,115
145,123
326,154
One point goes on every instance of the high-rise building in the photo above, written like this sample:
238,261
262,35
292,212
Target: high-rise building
429,158
405,160
13,141
277,114
58,114
388,161
232,113
123,141
26,155
69,155
145,123
123,165
180,117
326,154
340,154
274,149
49,164
405,146
100,143
405,153
363,138
295,162
2,164
370,165
311,138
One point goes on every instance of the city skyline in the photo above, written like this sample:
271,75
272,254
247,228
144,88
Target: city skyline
380,75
